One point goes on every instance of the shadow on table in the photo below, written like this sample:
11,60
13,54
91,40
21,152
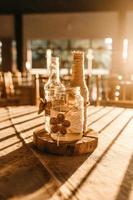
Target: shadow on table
24,121
64,167
18,115
61,166
127,182
22,174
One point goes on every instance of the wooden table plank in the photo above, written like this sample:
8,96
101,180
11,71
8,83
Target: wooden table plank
21,173
92,110
100,114
100,174
103,171
104,121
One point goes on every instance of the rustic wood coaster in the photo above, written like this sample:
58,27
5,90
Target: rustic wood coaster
86,144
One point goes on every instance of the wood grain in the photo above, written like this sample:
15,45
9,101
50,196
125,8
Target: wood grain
45,143
22,175
106,173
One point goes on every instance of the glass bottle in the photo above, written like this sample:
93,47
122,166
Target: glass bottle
67,120
75,107
53,90
78,79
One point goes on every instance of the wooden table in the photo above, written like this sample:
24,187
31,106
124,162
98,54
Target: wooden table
26,173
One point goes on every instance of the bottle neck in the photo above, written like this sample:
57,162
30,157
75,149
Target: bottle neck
78,75
54,73
79,65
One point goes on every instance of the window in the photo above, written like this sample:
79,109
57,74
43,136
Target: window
101,52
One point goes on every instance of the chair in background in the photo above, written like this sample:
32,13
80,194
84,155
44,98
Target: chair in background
9,94
17,78
24,87
1,85
114,90
15,91
39,87
8,82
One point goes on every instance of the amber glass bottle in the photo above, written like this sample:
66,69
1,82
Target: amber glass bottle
78,79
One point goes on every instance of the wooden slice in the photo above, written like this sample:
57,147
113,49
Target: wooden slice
67,138
86,144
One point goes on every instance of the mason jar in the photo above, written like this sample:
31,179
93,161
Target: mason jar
67,113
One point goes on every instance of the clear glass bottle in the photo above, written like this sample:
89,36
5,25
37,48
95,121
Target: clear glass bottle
53,90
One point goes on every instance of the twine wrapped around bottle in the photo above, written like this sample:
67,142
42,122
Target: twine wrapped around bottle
78,79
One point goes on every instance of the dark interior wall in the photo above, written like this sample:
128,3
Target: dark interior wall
43,6
6,37
18,26
6,54
6,26
11,28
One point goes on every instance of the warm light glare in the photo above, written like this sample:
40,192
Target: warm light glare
108,40
118,87
125,48
117,93
28,66
48,57
116,98
90,58
119,77
48,53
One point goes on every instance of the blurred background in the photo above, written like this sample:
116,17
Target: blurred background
31,30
